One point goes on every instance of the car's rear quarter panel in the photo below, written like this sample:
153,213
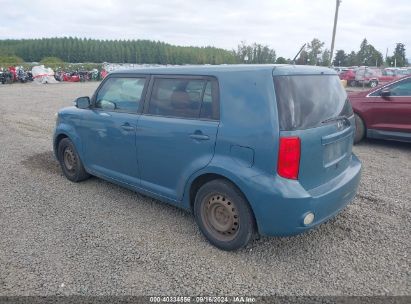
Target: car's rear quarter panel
248,119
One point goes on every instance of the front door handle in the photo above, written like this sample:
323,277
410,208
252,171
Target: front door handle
127,127
199,136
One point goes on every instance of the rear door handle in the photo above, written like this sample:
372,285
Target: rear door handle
199,136
127,127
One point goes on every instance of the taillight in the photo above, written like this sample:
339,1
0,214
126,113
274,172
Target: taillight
289,157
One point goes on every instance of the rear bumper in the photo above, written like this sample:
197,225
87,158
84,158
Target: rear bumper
280,204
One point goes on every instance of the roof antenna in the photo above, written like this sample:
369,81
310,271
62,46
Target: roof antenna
298,53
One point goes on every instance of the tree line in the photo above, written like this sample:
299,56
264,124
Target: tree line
369,56
75,50
79,50
315,54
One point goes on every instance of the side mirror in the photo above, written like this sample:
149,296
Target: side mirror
83,102
385,92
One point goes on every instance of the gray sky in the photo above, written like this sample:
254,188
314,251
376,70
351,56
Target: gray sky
283,25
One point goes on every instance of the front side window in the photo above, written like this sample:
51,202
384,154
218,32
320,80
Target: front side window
402,88
388,73
182,97
120,94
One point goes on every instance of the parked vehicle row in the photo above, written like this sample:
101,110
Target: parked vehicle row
15,74
248,149
369,76
18,74
79,76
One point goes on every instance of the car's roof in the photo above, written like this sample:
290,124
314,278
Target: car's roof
215,70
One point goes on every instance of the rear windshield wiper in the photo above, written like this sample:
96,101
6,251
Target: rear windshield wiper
334,119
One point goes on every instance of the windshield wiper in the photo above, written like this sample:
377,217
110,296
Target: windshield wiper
335,119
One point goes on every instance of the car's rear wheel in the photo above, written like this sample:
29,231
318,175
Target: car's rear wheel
373,83
70,161
224,215
359,129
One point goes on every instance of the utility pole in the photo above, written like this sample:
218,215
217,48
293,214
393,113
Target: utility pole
337,5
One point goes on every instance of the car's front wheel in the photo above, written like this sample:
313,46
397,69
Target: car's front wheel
224,215
70,161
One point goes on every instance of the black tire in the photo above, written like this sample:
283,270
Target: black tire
70,161
224,215
359,129
352,83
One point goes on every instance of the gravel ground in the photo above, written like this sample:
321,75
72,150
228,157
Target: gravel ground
95,238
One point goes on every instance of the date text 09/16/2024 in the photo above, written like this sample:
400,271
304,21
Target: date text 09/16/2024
200,299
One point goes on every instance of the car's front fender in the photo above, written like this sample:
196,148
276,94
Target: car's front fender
66,130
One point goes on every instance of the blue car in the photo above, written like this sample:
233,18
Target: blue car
247,148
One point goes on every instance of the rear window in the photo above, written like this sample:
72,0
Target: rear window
306,101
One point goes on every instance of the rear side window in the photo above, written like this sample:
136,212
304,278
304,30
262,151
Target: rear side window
183,97
120,94
306,101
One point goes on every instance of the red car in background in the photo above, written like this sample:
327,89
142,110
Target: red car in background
388,75
383,112
71,77
349,76
374,76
